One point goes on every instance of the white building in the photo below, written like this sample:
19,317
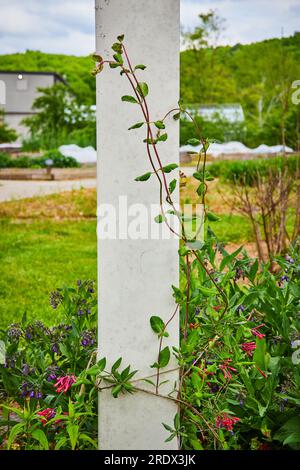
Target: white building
18,91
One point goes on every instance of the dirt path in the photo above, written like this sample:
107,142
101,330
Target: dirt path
10,190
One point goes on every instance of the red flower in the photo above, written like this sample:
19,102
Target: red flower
227,422
226,368
64,383
258,333
248,348
47,414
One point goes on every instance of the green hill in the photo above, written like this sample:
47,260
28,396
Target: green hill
76,70
258,76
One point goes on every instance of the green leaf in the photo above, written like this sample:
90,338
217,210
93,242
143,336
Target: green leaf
167,427
172,186
159,125
164,357
176,116
229,258
207,291
260,353
129,99
116,390
162,138
212,217
121,37
142,89
157,324
208,177
118,58
114,65
198,176
201,189
15,431
73,431
88,439
140,67
169,168
40,436
193,142
144,177
136,126
101,364
117,47
116,365
159,219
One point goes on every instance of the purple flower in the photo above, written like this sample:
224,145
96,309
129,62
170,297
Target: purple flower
25,369
289,259
88,339
51,377
55,348
55,299
240,308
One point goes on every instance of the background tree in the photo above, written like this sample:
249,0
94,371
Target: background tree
60,120
6,133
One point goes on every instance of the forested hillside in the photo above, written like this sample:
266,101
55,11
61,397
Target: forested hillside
258,75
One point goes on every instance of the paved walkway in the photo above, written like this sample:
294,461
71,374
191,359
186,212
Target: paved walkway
10,190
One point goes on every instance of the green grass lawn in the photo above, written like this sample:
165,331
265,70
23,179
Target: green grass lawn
38,257
54,248
50,241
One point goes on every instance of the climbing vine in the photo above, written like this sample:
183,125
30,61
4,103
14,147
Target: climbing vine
228,372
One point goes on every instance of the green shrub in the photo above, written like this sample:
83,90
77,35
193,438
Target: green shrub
4,160
24,161
59,160
245,171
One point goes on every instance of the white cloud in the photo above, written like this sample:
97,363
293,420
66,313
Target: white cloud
67,26
49,25
247,20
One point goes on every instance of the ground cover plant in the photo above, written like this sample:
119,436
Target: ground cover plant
238,360
246,171
51,158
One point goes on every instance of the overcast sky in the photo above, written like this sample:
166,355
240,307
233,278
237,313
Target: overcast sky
67,26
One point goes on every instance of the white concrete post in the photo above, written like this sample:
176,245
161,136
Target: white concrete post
135,276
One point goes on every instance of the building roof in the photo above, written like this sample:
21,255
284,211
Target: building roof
57,77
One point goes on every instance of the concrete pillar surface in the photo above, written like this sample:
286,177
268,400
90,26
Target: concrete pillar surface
135,276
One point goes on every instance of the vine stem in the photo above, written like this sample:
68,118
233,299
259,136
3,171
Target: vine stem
183,403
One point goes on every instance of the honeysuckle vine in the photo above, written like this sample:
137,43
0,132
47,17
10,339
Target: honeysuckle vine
140,89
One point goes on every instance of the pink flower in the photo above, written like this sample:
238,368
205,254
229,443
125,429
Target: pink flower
257,333
248,348
227,422
226,368
46,414
64,383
